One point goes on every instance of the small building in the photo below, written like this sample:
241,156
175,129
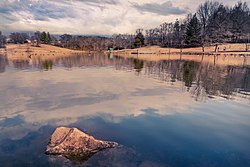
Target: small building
9,40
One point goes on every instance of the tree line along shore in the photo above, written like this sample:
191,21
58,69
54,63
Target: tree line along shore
27,51
213,28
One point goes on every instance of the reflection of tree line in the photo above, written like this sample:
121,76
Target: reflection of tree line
201,79
47,65
3,63
81,60
138,65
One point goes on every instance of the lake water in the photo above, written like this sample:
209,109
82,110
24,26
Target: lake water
175,112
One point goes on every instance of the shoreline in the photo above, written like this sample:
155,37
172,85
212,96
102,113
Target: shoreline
212,60
224,49
155,53
152,53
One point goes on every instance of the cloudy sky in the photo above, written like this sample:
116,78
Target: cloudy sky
92,16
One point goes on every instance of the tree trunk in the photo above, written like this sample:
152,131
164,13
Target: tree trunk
216,47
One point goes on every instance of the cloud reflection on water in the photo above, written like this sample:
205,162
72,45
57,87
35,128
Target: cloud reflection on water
120,106
60,96
64,96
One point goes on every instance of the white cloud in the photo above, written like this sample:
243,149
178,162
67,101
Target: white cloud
91,16
165,8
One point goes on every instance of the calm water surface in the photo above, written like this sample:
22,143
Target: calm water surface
172,113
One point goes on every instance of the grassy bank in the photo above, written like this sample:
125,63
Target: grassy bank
225,49
234,54
26,51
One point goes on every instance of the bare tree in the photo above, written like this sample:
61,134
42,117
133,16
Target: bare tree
204,13
19,38
219,25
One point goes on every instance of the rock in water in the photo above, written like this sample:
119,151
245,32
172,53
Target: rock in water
75,144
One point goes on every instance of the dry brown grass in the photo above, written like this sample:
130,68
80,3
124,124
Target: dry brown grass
229,49
235,54
26,51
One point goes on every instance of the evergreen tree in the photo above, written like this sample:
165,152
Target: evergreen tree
139,40
188,73
193,37
43,37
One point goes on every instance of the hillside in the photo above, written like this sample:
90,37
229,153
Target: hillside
26,51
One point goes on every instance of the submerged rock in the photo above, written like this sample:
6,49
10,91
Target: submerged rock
75,144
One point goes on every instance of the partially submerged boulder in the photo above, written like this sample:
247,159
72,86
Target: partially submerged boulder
75,144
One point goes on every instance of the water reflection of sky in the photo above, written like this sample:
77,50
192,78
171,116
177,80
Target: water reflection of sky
44,96
158,123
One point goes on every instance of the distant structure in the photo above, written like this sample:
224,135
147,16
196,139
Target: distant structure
9,40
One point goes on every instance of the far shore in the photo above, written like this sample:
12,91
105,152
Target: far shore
228,54
27,51
224,49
